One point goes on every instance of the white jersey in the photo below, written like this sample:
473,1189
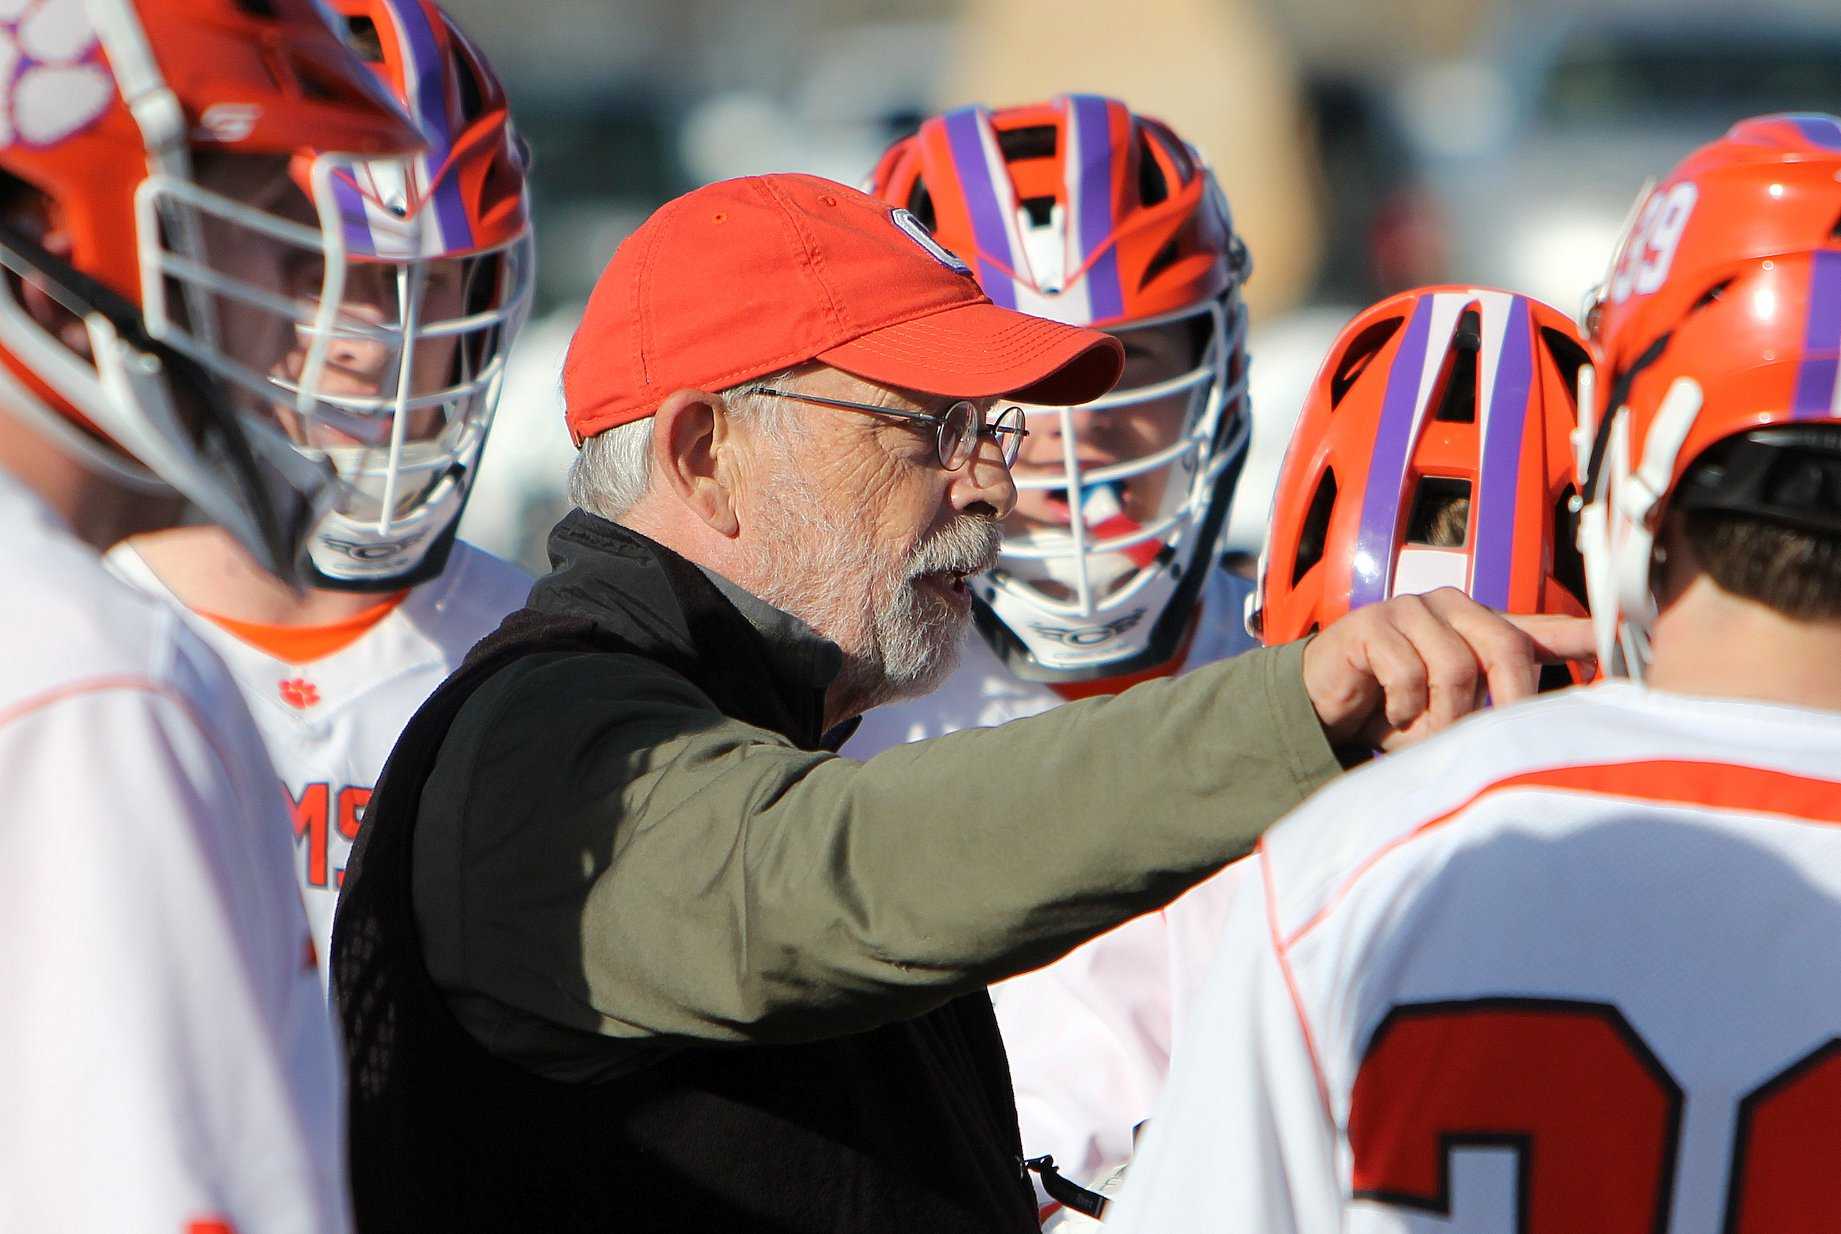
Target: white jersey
1088,1036
165,1054
331,723
1572,965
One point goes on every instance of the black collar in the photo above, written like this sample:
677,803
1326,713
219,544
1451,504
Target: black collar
757,663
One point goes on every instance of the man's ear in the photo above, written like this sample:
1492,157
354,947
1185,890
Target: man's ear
1673,566
690,436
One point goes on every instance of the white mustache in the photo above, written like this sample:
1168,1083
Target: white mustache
967,545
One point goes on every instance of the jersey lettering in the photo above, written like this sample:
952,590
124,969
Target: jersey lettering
1788,1150
311,812
1591,1113
315,813
352,801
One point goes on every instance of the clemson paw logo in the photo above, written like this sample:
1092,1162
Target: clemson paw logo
53,82
299,693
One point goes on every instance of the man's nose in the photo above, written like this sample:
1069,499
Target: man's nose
360,351
356,358
984,481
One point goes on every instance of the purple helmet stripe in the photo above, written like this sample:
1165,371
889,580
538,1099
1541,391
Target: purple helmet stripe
963,136
1818,128
1374,541
357,224
1499,471
1093,124
1815,376
426,80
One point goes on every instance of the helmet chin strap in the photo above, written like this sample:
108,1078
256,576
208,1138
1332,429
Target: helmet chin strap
1617,528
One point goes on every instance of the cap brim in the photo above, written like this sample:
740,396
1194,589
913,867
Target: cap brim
983,351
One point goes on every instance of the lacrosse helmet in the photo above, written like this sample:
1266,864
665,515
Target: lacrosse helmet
1434,450
1081,211
443,250
1717,336
144,146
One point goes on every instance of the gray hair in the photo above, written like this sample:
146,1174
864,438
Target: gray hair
613,469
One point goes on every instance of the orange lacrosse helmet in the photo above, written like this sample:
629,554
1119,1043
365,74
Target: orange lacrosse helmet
445,242
1717,336
131,131
1079,210
1434,450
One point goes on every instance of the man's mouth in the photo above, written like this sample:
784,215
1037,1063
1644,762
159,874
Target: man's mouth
953,582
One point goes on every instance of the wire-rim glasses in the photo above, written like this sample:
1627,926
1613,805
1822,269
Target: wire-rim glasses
957,429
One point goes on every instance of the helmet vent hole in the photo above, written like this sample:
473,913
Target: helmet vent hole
1165,258
362,37
263,9
1567,356
1711,296
1035,142
1440,516
472,98
1315,532
316,83
1457,398
920,205
1152,188
1360,354
1041,210
1568,565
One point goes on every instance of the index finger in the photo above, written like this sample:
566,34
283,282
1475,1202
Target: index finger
1557,637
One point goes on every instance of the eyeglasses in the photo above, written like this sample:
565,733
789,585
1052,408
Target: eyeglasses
957,429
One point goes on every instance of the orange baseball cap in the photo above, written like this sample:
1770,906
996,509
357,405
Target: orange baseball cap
746,277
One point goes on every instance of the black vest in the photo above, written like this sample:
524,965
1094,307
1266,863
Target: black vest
911,1126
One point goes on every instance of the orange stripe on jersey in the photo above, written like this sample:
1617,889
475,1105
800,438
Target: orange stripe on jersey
1291,984
77,689
99,685
1681,782
304,644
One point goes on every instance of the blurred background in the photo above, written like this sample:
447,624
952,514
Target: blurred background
1365,145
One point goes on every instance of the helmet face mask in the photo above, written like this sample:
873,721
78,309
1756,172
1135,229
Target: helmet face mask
1079,210
396,389
1113,496
381,369
142,379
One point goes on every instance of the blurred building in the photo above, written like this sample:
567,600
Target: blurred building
1364,146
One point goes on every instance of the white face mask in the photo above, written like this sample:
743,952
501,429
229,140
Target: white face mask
386,364
1085,590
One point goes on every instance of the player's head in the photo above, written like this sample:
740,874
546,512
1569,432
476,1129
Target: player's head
1714,396
1434,450
1079,210
160,163
440,256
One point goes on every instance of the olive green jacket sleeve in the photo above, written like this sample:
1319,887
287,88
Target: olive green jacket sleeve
663,872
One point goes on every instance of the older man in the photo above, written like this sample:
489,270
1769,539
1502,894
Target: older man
624,945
